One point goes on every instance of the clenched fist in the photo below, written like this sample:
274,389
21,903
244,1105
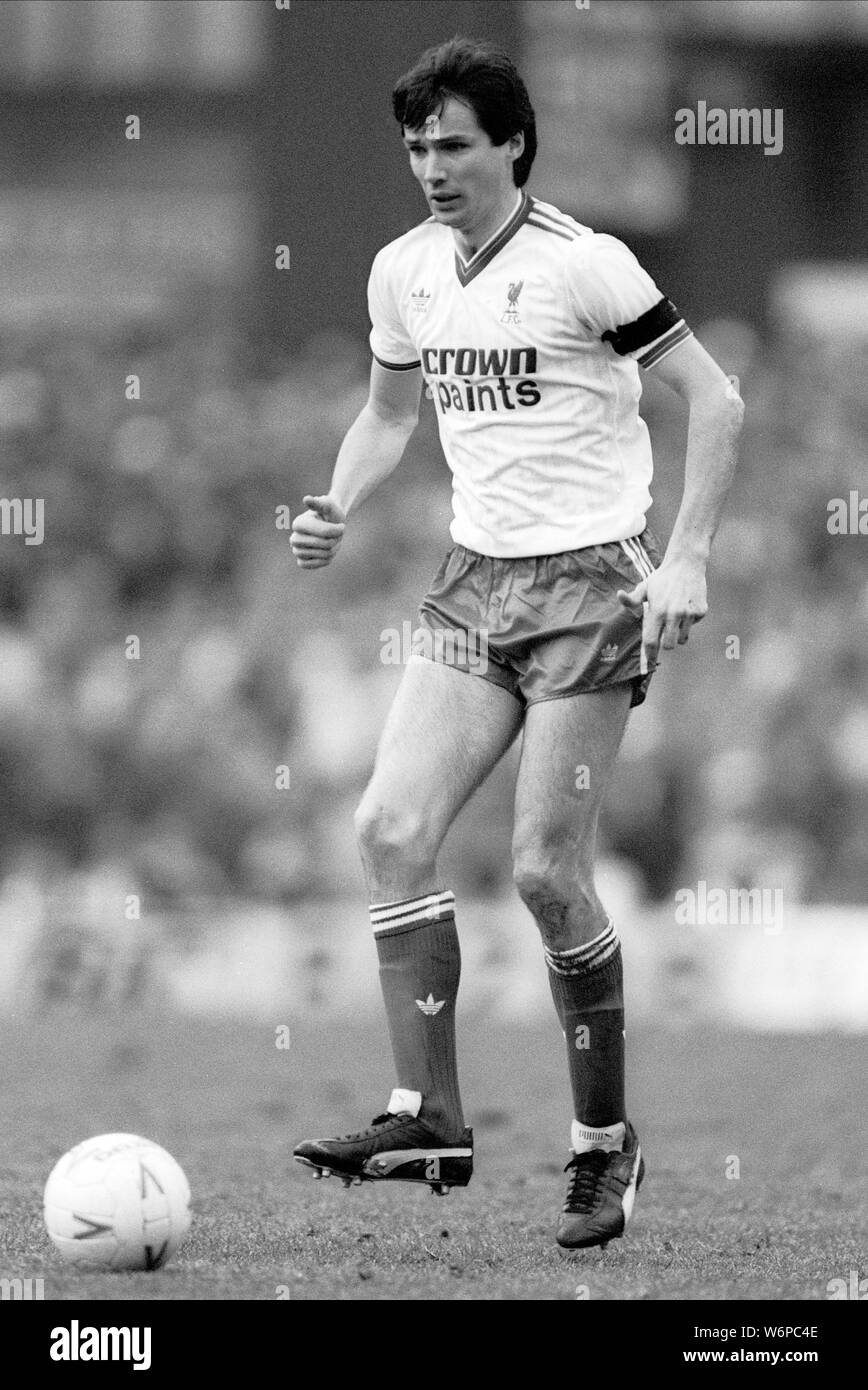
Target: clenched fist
317,533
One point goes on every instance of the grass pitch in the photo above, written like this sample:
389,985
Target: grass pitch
782,1113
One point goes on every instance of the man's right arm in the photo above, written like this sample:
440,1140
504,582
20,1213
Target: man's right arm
371,450
375,443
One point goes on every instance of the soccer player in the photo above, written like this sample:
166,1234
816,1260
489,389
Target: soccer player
546,615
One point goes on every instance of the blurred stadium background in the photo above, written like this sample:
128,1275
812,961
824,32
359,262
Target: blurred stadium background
147,854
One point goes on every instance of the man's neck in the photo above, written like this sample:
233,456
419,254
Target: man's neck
469,243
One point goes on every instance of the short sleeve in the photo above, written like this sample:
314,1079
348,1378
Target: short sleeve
388,338
619,302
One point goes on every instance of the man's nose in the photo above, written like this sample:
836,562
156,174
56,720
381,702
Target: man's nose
433,168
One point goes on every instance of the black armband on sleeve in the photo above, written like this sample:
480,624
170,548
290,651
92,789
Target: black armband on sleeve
647,328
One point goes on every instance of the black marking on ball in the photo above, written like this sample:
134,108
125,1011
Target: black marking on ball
96,1228
146,1173
153,1261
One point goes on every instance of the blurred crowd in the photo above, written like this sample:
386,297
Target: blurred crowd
183,712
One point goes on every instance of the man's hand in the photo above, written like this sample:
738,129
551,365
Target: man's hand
317,533
673,599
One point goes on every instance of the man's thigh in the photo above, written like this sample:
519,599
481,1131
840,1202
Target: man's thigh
567,756
444,733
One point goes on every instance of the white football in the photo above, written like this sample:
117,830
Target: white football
117,1202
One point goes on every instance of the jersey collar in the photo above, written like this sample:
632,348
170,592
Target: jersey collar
466,270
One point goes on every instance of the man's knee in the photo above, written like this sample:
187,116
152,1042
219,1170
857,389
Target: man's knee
540,883
390,831
558,890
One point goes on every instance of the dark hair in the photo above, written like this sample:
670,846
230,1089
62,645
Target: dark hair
482,76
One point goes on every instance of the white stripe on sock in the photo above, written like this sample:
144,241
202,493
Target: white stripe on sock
581,960
433,907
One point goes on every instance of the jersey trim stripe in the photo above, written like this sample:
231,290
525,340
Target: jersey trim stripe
396,366
555,231
516,208
549,210
664,346
467,272
559,219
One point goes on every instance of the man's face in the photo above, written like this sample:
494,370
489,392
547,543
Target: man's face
463,175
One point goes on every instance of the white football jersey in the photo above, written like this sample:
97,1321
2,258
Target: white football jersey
530,350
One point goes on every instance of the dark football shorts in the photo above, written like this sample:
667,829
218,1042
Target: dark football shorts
542,627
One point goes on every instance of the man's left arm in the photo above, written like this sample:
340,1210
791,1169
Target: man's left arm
674,596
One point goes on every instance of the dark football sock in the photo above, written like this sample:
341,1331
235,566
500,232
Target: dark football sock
587,987
420,965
